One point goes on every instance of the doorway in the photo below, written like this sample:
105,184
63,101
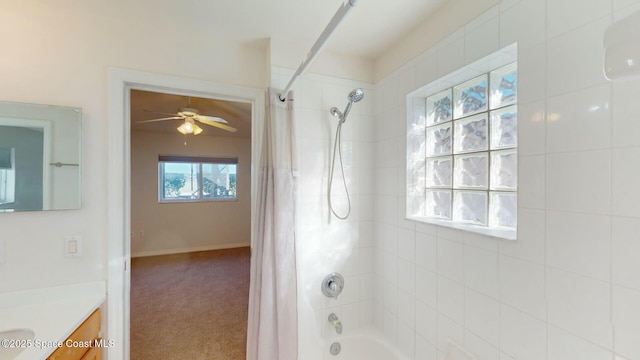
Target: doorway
119,161
190,226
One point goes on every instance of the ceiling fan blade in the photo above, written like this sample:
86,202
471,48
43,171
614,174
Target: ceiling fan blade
162,119
212,118
161,113
218,125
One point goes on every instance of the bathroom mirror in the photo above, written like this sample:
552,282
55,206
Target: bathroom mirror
40,152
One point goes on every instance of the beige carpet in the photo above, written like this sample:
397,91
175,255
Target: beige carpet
190,306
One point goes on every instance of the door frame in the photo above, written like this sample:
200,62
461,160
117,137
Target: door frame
121,82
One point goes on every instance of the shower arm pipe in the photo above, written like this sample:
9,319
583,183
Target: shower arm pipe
319,44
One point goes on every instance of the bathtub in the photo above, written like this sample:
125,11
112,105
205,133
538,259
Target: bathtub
361,344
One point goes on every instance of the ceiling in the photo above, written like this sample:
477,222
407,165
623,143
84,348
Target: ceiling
371,28
146,105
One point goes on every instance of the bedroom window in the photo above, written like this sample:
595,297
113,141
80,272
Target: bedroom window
195,179
462,159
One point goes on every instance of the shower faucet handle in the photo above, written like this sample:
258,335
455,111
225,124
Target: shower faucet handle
335,322
332,285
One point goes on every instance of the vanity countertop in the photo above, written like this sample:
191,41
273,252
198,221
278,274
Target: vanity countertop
51,313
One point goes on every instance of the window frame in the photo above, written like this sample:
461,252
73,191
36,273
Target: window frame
193,160
416,145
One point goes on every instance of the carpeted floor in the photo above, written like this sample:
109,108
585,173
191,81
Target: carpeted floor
190,306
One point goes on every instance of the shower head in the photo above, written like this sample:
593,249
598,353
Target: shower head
354,96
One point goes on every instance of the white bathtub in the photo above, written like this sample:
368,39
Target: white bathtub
362,344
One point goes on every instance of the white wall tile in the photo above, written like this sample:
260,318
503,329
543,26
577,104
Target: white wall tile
451,299
479,347
621,13
407,309
406,340
481,271
563,17
563,345
351,316
427,286
482,39
522,286
625,248
481,241
504,356
522,336
619,4
580,305
451,57
390,326
625,179
450,234
626,321
530,244
390,239
579,243
448,329
574,59
407,244
426,229
390,90
523,22
425,350
565,108
482,316
450,260
390,268
366,313
625,125
406,84
532,137
579,181
367,287
426,69
427,322
580,120
426,251
531,181
407,276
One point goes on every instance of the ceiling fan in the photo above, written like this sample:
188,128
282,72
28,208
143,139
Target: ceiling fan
190,116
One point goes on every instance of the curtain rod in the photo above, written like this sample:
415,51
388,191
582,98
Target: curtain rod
319,44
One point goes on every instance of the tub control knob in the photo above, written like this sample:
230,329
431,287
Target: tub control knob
332,285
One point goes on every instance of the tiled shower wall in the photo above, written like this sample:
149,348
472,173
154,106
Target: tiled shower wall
569,287
326,244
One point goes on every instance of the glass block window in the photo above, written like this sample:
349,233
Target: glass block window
471,151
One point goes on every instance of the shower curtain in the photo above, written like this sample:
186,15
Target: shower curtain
273,318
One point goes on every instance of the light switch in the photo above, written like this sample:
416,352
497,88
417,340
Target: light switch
73,246
1,251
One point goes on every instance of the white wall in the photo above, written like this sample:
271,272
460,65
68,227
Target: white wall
59,54
182,227
326,244
568,287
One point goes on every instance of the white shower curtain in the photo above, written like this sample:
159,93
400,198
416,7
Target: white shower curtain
273,317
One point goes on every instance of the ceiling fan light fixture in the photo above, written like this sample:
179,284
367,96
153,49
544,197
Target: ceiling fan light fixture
188,127
184,130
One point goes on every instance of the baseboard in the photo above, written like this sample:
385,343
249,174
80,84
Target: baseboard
189,249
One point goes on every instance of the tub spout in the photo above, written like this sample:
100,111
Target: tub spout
336,323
